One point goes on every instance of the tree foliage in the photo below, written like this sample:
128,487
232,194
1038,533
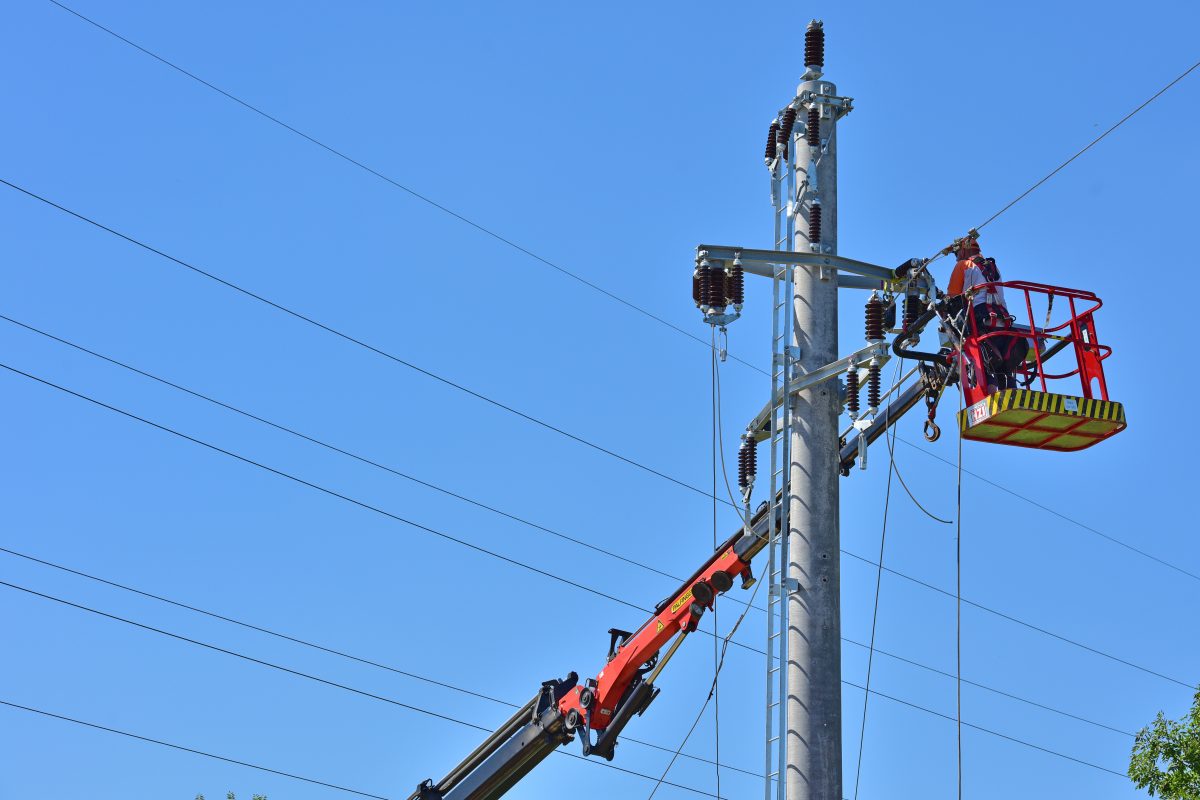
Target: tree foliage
1166,756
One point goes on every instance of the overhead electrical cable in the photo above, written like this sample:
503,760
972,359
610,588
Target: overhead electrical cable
690,335
1023,623
192,750
346,498
330,650
1033,703
539,422
370,695
989,731
409,674
1059,514
531,568
341,451
393,182
1087,147
306,675
492,509
277,121
360,342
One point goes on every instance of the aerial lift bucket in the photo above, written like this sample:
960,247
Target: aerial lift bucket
1038,418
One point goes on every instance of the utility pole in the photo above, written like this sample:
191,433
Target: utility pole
813,769
803,755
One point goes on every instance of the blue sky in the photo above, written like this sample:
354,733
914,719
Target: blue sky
610,141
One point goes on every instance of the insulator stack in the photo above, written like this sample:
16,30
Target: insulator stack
735,286
852,391
874,319
912,310
785,131
712,288
812,133
873,387
747,463
696,295
703,285
814,45
814,224
772,136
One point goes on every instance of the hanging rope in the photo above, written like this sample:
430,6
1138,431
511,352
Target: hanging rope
716,447
887,498
719,453
893,467
958,611
711,691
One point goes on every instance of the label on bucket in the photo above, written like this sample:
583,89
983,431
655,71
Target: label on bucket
979,412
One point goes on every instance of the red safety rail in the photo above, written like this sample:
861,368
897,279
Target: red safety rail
1077,334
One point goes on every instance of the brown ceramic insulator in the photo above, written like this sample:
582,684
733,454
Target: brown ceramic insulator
873,394
814,45
852,391
772,136
874,322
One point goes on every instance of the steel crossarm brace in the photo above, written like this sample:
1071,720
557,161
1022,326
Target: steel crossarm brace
861,359
759,262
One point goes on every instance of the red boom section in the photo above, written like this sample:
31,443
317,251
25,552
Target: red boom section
678,614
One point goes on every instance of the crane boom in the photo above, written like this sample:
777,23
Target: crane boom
622,689
564,709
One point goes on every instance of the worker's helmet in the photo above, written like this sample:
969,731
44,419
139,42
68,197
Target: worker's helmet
966,248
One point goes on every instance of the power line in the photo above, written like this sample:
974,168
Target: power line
990,731
690,335
343,497
991,689
371,695
1089,146
304,675
341,451
1023,623
1059,514
319,647
359,342
192,750
395,183
543,528
323,489
531,418
426,679
530,567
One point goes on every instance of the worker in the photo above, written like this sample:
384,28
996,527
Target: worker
970,278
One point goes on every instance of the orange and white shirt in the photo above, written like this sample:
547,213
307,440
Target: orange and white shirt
968,274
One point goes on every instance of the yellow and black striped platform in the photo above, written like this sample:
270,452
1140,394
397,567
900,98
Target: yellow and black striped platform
1040,419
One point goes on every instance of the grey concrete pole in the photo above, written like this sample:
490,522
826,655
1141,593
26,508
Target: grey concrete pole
814,712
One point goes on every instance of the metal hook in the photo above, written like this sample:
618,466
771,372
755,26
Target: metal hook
932,431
